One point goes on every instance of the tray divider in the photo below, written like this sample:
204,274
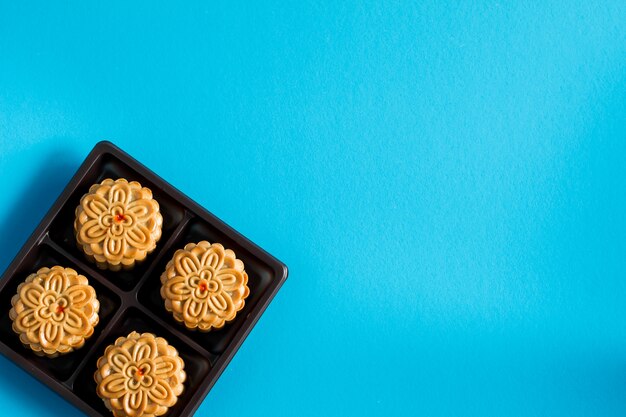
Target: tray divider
165,248
180,334
82,264
97,344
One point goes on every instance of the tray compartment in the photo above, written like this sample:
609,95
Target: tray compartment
260,277
108,166
197,365
62,366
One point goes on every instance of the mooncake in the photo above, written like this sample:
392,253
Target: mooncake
204,286
141,375
118,223
54,311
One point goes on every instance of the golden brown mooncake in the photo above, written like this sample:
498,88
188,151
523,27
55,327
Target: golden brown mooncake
141,375
117,223
204,286
54,311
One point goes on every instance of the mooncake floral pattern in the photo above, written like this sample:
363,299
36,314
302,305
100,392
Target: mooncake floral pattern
140,375
118,223
54,311
204,285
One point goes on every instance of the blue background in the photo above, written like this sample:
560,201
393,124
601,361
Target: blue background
446,183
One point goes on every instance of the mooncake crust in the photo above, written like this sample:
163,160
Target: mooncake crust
141,375
54,311
204,285
117,224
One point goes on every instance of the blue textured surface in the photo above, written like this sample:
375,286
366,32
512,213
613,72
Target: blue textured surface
446,182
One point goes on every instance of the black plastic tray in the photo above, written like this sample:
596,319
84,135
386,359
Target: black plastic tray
130,300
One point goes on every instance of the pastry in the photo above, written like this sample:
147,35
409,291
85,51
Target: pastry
117,223
141,375
54,311
204,286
